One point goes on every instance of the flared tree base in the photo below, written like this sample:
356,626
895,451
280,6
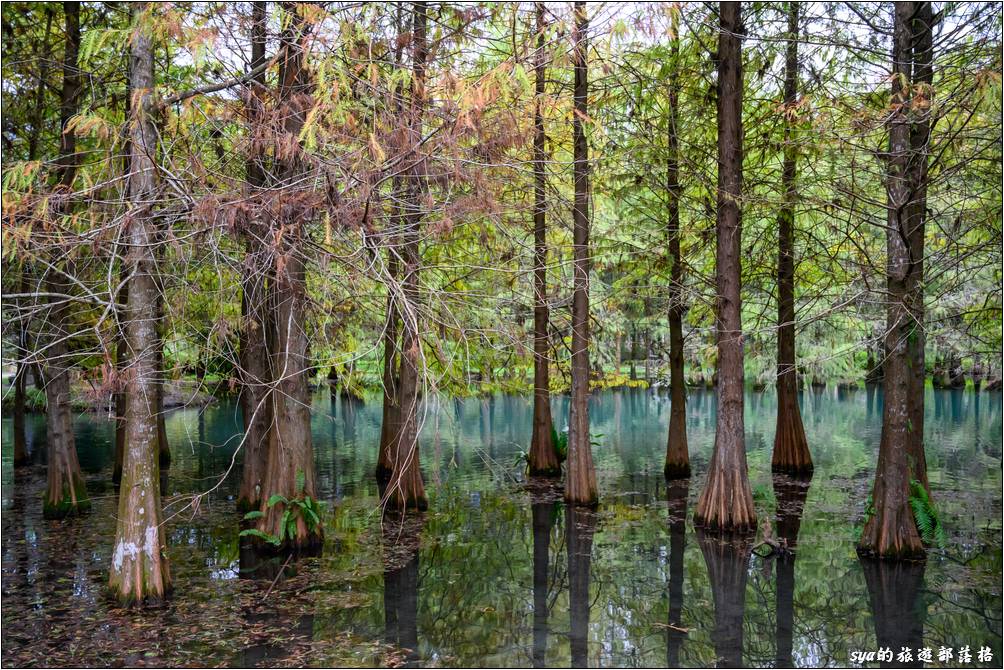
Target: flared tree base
726,504
148,601
407,502
65,508
245,504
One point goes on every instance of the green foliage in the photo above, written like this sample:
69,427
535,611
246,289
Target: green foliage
926,516
300,507
560,443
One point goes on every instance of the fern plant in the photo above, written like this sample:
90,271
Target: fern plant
300,507
926,516
560,443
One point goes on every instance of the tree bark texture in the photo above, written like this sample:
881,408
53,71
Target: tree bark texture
21,457
726,502
677,451
290,461
406,488
580,481
139,572
257,332
791,451
543,460
891,532
66,494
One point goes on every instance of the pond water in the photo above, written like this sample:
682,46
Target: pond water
501,573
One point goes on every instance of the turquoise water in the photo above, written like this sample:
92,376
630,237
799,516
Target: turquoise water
499,572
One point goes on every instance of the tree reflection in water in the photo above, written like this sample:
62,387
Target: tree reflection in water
544,510
580,524
727,557
790,494
677,491
898,611
401,538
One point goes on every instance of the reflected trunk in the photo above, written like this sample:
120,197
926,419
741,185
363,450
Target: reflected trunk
790,494
677,492
897,609
727,557
401,538
580,524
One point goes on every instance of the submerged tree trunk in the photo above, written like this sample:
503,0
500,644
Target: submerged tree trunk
543,459
65,493
727,560
257,327
677,451
139,571
791,451
290,461
677,492
580,484
891,532
406,488
727,502
580,525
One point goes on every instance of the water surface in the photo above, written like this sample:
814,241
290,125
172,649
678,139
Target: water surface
499,573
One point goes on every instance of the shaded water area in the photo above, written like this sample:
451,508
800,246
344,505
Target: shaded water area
499,573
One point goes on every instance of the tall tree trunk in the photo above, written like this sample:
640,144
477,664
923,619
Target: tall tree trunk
580,525
406,488
390,425
289,468
21,457
65,493
543,460
726,502
257,326
727,561
677,451
121,395
676,503
790,495
139,570
891,532
791,451
580,484
163,447
921,103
